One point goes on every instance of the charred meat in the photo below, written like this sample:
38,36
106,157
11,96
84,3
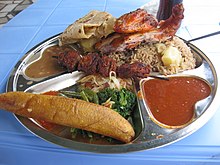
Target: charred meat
136,69
69,59
89,63
93,63
106,65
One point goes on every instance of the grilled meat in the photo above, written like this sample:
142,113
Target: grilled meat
69,59
136,69
106,65
93,63
135,21
89,63
123,40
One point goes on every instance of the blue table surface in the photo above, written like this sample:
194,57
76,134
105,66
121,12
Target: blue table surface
46,18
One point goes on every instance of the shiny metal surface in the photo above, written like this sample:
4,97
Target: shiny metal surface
148,134
56,83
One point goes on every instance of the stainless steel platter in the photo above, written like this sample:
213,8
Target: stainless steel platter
148,134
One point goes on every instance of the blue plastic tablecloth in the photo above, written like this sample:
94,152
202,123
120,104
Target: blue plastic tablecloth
46,18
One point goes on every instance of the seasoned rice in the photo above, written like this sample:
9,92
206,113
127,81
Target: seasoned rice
149,54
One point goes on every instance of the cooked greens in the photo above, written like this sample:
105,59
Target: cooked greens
123,101
84,94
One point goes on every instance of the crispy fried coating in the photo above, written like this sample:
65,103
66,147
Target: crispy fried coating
69,112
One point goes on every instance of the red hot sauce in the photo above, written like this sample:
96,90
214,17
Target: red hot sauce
172,102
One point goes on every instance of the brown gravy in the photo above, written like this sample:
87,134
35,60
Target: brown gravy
47,64
172,102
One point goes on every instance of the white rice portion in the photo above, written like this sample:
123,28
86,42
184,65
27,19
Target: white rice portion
148,54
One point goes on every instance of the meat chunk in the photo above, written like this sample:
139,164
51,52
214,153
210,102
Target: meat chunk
105,45
106,65
131,31
136,69
69,60
93,63
89,63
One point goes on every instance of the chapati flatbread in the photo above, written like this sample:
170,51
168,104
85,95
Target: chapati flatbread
95,24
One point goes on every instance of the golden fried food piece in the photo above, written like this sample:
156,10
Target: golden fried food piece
69,112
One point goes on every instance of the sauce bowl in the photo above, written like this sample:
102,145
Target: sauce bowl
174,103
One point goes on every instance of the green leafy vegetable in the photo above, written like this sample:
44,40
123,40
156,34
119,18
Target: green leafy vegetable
91,95
84,94
123,100
75,131
71,94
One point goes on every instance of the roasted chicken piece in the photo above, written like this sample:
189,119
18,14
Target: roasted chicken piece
109,44
165,30
135,21
168,28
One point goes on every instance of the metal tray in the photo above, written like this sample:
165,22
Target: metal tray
148,134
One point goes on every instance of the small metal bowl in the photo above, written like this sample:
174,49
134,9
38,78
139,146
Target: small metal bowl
199,106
